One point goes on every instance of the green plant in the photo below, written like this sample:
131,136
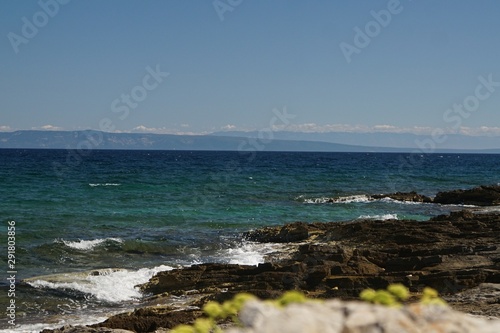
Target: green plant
290,297
229,309
397,293
430,296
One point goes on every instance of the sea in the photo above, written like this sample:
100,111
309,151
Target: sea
89,226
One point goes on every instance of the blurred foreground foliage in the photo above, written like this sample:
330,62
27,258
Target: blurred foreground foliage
394,296
215,311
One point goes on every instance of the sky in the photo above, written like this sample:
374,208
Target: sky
194,67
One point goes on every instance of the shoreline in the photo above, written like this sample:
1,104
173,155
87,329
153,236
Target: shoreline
457,254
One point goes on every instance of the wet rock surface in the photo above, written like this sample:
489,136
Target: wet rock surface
150,319
293,232
80,329
401,196
487,195
478,196
452,253
483,300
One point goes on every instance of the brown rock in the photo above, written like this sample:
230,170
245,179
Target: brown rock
84,329
149,319
404,196
451,253
478,196
294,232
460,249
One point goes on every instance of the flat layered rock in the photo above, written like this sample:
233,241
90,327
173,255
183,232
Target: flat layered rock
478,196
84,329
450,253
293,232
486,195
404,196
148,319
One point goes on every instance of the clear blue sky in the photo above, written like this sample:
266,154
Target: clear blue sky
232,72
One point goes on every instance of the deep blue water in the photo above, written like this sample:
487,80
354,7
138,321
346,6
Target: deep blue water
139,210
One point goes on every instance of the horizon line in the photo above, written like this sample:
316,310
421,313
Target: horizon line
482,131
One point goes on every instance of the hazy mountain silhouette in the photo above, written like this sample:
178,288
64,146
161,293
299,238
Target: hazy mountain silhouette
87,140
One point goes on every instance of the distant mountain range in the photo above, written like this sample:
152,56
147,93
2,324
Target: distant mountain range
383,139
243,141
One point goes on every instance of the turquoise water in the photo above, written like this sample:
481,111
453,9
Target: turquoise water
144,211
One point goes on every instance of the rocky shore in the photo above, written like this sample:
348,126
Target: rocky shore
477,196
456,254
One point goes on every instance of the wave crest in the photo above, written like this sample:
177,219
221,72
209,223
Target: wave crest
109,285
86,245
381,217
344,199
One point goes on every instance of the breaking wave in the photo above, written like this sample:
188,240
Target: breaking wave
382,217
344,199
88,244
108,285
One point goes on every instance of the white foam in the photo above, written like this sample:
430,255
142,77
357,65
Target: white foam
109,285
103,184
403,202
346,199
248,253
88,244
317,200
379,217
487,209
353,198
